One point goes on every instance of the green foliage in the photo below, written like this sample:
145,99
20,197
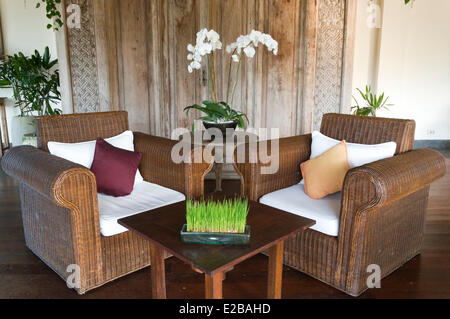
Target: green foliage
34,80
407,1
227,216
53,13
372,101
218,112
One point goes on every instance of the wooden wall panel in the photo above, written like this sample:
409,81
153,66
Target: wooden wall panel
135,65
281,82
134,58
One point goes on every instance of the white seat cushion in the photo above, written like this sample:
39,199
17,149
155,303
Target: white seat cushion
294,200
145,196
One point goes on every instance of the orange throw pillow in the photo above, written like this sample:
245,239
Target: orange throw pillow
324,175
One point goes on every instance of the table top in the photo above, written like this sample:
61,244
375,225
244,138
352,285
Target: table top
162,227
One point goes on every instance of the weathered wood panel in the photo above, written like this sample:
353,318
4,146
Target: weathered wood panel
135,65
131,55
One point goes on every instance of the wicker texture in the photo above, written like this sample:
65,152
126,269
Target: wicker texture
383,203
59,198
369,130
74,128
294,150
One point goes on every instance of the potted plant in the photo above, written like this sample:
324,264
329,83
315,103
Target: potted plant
35,84
372,101
216,222
221,114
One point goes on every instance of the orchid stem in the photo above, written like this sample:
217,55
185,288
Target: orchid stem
237,78
213,75
209,81
229,75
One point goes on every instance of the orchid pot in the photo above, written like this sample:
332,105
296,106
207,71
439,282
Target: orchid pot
227,128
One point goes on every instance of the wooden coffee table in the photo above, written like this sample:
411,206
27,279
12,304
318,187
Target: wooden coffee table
270,227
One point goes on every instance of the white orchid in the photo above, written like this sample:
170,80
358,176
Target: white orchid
213,36
248,43
191,48
250,51
231,47
243,41
206,43
201,35
204,48
216,45
255,36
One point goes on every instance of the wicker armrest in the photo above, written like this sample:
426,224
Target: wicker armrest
158,167
40,170
377,203
292,152
393,178
65,187
378,184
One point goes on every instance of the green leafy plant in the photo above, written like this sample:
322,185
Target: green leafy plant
373,103
34,80
227,216
219,113
53,13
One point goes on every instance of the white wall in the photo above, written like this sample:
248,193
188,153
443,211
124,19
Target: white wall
414,62
24,30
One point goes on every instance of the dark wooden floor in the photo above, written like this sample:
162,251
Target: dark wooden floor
23,275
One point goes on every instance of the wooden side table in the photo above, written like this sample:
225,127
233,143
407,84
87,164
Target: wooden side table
226,147
270,227
4,142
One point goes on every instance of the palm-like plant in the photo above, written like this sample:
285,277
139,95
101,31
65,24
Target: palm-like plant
219,113
373,103
34,81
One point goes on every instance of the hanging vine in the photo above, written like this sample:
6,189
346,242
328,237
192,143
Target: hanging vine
53,14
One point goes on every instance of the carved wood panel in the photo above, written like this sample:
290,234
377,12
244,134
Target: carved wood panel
330,44
83,59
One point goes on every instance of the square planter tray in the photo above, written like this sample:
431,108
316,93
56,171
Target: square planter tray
215,238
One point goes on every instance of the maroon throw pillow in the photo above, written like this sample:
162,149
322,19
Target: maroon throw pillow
114,169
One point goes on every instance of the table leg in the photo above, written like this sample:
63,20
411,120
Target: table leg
213,286
218,170
275,275
158,272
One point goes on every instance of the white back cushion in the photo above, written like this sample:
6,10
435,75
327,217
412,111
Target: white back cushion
83,153
358,154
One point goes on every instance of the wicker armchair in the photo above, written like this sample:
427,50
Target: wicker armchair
59,198
383,203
